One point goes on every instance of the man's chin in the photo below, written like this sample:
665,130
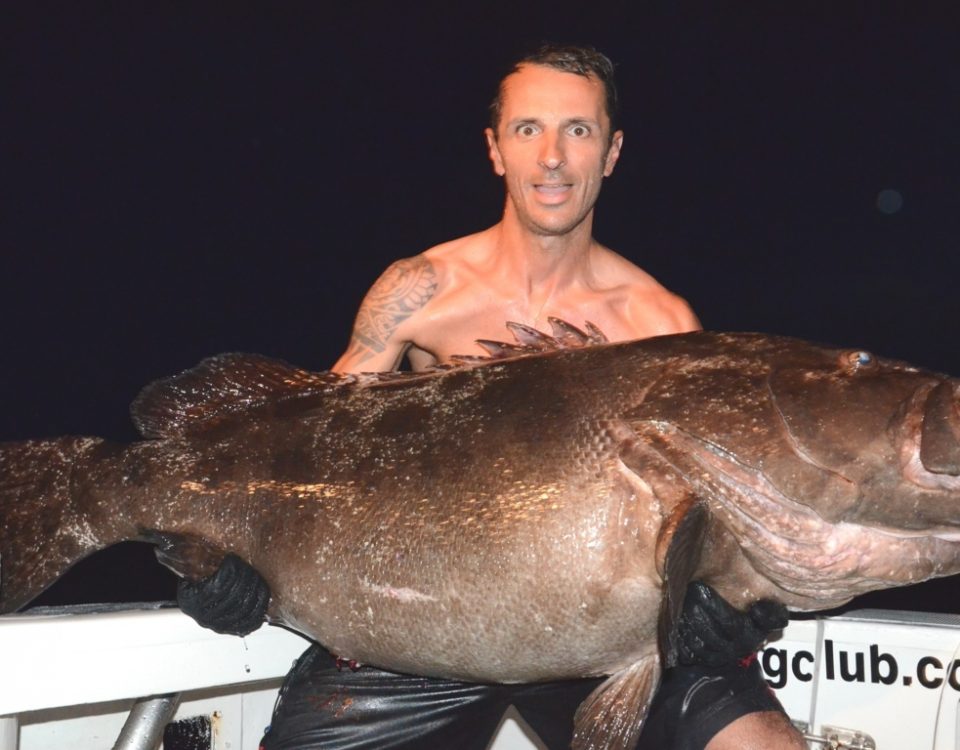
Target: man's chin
553,226
550,220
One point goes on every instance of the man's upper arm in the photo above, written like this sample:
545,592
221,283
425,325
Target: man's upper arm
378,341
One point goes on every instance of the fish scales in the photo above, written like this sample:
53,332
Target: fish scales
527,519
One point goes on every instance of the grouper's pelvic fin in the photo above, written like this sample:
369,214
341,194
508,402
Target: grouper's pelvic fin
43,530
612,715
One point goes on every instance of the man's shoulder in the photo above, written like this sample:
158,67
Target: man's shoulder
619,270
416,293
454,266
411,282
431,268
461,251
647,302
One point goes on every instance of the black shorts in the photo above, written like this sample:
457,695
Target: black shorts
321,707
694,703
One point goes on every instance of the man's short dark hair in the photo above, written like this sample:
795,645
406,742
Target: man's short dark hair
582,61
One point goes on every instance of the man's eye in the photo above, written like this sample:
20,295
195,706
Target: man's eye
580,131
527,130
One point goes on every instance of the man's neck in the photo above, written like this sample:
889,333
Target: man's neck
533,259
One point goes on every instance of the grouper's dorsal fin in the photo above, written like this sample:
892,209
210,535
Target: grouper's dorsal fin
679,545
531,341
221,387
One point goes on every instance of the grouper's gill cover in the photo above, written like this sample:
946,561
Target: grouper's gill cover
871,423
535,518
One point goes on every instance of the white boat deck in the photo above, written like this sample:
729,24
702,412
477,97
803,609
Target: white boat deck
70,676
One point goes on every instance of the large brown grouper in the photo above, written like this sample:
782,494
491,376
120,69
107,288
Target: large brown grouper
529,519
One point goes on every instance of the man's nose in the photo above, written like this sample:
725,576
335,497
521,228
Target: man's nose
551,152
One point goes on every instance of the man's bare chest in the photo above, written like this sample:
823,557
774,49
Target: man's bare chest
456,331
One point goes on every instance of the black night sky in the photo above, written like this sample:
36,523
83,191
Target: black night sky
181,179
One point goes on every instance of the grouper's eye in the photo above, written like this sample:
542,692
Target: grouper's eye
856,361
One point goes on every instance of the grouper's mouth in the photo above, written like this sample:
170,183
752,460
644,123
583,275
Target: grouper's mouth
930,438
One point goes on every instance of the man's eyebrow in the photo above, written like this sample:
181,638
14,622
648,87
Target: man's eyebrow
577,120
523,121
582,121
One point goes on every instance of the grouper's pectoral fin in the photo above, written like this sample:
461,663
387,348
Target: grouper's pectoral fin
186,555
679,545
612,715
682,532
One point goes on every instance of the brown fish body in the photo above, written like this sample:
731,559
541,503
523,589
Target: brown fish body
530,519
390,527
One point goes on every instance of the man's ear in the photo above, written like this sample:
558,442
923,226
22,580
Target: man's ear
613,153
494,152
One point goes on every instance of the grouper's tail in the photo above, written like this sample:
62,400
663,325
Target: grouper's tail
43,530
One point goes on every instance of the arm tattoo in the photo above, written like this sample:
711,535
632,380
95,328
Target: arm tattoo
404,288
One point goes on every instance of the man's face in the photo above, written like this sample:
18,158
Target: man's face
552,147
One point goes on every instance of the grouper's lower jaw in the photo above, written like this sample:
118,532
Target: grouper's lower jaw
820,565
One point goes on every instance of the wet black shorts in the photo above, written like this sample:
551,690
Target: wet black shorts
694,703
320,706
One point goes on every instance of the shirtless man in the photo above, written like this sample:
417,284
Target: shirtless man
553,138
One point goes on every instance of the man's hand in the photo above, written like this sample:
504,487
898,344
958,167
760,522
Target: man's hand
711,633
232,600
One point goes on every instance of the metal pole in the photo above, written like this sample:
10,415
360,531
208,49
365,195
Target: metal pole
143,729
9,732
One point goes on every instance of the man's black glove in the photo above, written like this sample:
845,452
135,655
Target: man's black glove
711,633
233,599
